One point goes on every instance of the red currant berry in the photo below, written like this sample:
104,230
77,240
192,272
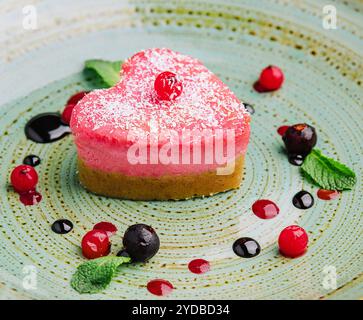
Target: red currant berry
109,227
293,241
271,78
95,244
167,86
24,178
67,113
76,97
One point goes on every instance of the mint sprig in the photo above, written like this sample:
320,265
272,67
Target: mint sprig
108,71
328,173
95,275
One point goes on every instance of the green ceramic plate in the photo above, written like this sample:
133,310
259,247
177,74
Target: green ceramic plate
41,68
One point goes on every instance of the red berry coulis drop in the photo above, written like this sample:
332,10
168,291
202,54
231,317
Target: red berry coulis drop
108,227
30,198
160,287
199,266
328,194
265,209
281,130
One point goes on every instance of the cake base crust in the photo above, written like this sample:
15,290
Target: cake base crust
176,187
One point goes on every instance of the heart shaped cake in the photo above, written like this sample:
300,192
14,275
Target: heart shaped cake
170,129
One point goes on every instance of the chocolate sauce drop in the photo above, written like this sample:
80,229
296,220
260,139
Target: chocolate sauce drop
62,226
296,159
303,200
249,108
246,247
46,127
32,160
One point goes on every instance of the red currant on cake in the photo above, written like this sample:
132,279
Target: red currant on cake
293,241
271,78
95,244
168,86
24,178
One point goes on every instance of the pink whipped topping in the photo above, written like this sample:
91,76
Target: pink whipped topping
106,123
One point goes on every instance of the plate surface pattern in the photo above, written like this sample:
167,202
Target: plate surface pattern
235,39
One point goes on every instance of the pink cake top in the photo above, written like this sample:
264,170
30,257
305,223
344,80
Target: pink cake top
108,116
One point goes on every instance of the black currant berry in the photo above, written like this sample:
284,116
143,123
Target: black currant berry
141,242
300,139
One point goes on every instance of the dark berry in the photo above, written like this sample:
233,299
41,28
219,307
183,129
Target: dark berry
246,247
167,86
303,200
123,253
300,139
141,242
95,244
271,78
32,160
24,178
293,241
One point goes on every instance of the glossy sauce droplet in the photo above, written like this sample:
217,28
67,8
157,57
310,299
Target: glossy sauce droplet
30,198
110,228
281,130
160,287
265,209
296,159
199,266
249,108
303,200
246,247
328,194
46,127
32,160
62,226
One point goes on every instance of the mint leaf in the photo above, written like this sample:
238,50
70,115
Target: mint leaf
95,275
328,173
108,71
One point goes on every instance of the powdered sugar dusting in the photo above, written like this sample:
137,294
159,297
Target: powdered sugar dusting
205,103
